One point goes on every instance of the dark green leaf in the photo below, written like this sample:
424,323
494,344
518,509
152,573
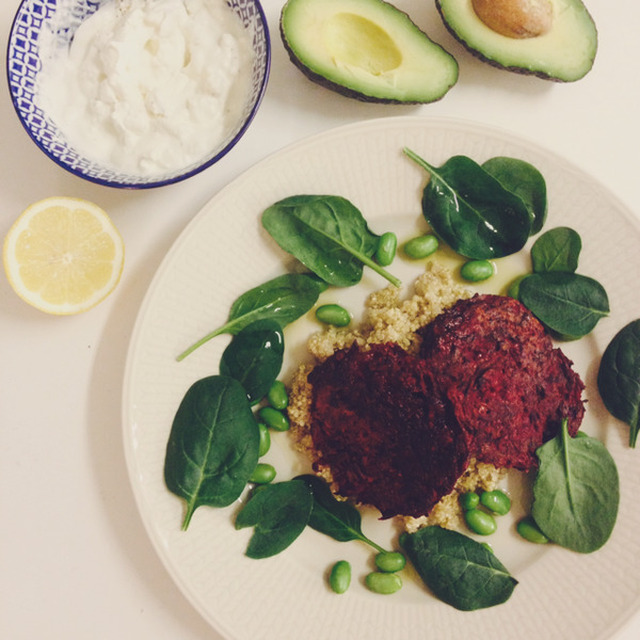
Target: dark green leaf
576,492
459,570
279,513
213,445
336,518
556,250
569,304
471,211
283,299
254,357
526,182
328,234
619,378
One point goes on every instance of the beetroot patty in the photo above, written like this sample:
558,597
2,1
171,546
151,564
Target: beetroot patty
509,387
382,431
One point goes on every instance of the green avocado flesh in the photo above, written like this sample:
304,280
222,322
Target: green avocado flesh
565,53
366,49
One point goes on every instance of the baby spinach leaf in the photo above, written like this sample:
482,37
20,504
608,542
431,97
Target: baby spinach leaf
459,570
335,518
556,250
284,299
471,211
279,513
619,377
568,304
254,357
526,182
328,234
213,445
576,492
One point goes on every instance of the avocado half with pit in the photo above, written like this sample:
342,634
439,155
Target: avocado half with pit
366,49
552,39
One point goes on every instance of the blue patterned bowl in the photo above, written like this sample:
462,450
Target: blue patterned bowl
24,64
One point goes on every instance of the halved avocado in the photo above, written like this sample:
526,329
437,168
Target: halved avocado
565,52
366,49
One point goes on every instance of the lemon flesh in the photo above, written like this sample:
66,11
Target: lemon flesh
63,255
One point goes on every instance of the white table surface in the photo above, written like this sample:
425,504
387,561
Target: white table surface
75,560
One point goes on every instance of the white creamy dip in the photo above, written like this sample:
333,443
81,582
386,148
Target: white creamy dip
149,86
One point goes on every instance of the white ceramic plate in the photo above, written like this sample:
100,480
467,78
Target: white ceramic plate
224,252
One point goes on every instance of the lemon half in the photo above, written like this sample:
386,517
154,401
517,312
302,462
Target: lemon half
63,255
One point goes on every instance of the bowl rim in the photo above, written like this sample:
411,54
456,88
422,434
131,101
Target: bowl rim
160,182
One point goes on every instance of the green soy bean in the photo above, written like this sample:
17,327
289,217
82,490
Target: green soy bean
477,270
333,314
469,501
277,395
390,561
386,251
421,246
496,501
480,522
265,439
264,473
384,583
514,288
274,419
340,576
529,530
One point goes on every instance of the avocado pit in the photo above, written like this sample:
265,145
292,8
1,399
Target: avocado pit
516,18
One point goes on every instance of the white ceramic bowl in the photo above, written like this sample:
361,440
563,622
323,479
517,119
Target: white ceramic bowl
24,64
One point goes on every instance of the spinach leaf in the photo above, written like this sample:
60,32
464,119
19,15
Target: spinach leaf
279,513
284,299
568,304
526,182
471,211
556,250
213,445
254,357
459,570
619,377
576,492
328,234
335,518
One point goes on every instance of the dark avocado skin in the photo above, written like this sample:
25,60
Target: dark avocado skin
491,61
343,90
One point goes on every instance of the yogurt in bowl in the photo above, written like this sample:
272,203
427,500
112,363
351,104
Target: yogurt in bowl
144,92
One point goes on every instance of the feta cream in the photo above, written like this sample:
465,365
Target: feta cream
149,86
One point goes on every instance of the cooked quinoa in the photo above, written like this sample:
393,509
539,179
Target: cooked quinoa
389,318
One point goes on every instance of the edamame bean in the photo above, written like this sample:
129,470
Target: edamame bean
333,314
477,270
263,473
421,247
340,576
480,522
277,395
390,561
265,439
274,419
469,501
385,583
514,288
530,531
386,251
496,501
